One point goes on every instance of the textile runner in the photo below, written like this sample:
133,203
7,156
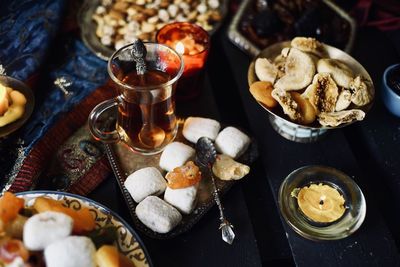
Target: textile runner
54,149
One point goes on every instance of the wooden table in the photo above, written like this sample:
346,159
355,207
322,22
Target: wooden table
367,151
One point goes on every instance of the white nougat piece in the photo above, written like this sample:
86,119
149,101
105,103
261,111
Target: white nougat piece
45,228
145,182
175,155
157,214
72,251
184,199
196,127
232,142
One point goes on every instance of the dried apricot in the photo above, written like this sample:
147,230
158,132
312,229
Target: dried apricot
261,91
10,205
83,218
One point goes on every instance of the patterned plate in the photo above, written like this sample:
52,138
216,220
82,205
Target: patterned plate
128,241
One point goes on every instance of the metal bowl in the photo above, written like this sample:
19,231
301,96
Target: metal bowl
280,122
30,103
241,41
88,27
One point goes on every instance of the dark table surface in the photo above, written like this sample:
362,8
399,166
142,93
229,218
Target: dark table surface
367,151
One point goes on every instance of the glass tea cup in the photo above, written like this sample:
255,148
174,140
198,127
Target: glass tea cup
146,120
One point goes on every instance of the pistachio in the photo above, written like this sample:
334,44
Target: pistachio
192,15
173,10
214,4
147,27
202,8
101,10
153,20
106,40
163,15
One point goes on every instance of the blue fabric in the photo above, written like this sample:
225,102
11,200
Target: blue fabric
85,71
30,41
27,28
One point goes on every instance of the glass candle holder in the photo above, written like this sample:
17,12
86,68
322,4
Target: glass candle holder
193,43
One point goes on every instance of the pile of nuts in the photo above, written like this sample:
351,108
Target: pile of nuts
119,22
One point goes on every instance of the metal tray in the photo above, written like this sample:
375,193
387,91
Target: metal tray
124,162
252,49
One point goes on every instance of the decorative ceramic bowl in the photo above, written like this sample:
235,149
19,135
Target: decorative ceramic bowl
389,96
128,241
355,204
280,122
30,103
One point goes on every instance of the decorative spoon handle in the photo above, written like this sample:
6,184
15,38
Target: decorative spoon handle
62,83
226,227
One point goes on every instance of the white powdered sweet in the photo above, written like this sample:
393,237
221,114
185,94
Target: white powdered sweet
145,182
157,214
232,142
175,155
184,199
72,251
44,228
197,127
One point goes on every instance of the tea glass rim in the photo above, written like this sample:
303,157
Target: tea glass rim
145,88
206,45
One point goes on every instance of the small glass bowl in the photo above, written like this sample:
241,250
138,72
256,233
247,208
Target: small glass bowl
30,103
341,228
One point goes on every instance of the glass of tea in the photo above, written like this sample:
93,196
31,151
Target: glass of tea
146,120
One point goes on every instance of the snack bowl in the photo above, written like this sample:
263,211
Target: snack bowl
30,103
88,26
128,241
280,122
348,223
248,9
391,99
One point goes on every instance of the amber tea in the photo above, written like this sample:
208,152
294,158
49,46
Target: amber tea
145,104
147,119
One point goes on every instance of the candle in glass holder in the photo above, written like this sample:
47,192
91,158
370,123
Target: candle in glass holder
192,42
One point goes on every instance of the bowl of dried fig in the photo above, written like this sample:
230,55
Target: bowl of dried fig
308,88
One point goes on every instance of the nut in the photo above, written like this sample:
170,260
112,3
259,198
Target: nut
106,40
150,12
145,36
115,14
152,20
121,6
123,20
163,15
173,10
148,27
